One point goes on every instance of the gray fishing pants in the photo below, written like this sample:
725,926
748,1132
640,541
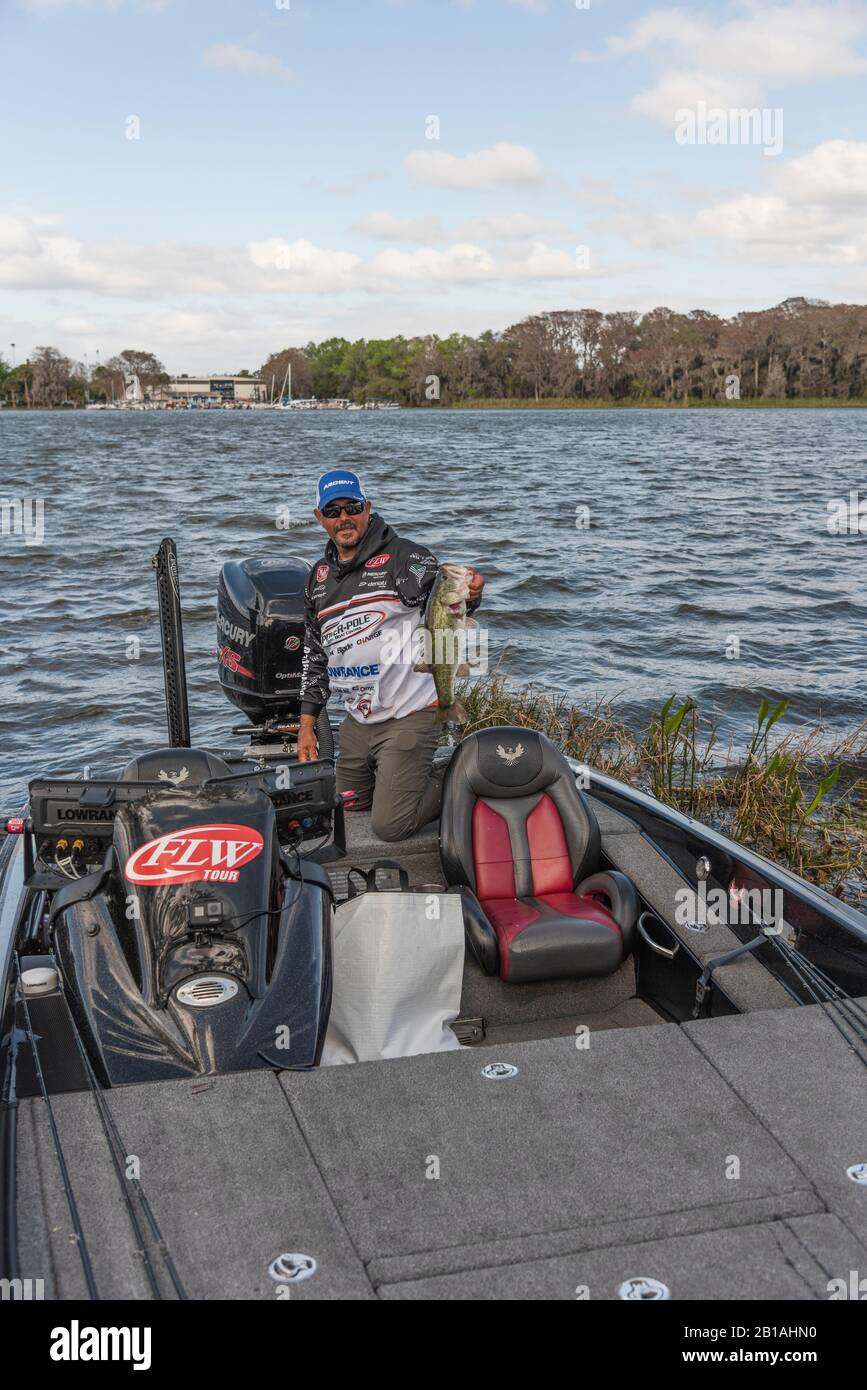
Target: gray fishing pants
388,766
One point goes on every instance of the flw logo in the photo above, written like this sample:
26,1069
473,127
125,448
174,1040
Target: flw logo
209,853
377,562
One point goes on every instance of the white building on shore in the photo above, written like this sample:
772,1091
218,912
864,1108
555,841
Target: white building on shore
214,390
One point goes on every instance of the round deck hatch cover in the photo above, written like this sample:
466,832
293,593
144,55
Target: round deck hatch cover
205,990
643,1290
499,1071
292,1269
858,1173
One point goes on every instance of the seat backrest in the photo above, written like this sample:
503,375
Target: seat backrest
513,823
177,767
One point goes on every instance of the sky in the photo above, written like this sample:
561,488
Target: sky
215,180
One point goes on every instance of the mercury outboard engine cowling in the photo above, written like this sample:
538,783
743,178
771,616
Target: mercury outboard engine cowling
260,635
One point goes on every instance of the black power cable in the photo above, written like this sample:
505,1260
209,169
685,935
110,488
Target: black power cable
58,1147
118,1155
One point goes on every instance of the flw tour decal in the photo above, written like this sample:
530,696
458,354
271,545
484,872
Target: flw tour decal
203,853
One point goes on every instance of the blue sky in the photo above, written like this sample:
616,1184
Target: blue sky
283,185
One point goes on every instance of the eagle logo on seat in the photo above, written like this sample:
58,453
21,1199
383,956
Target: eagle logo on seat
174,777
510,755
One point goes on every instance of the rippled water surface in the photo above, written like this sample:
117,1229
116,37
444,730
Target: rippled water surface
703,525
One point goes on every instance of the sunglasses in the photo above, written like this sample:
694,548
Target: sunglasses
336,509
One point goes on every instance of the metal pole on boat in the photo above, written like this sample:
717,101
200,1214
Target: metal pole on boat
165,562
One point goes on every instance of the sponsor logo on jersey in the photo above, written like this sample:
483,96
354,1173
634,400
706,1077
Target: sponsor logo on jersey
363,621
377,562
292,644
345,672
209,853
322,572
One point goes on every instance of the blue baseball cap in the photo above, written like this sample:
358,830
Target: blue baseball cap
340,482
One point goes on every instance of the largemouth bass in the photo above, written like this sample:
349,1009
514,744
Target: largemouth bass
444,635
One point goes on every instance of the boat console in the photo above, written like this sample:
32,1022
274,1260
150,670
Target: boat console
192,878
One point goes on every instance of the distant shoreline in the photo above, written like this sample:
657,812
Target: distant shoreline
521,403
693,403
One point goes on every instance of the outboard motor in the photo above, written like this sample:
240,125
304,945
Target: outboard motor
260,635
201,947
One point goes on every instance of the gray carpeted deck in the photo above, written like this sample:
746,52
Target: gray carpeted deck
769,1262
594,1165
227,1171
636,1123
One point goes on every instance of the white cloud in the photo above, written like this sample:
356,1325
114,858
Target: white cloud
483,170
516,226
679,91
634,219
18,237
39,258
246,61
456,264
383,226
812,213
732,62
302,266
512,227
834,173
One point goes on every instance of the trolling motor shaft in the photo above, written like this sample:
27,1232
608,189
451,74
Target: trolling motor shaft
165,562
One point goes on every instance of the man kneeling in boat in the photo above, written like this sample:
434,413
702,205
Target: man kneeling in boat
365,598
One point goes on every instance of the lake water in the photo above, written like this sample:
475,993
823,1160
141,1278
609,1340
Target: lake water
704,526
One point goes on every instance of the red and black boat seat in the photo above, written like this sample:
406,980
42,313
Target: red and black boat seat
521,844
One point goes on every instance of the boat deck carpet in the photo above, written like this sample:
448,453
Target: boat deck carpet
420,1178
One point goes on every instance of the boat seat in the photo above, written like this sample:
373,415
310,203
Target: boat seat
519,842
177,767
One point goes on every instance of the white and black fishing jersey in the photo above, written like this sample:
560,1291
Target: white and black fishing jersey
361,618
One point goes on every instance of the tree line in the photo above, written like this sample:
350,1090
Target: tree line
50,378
801,349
